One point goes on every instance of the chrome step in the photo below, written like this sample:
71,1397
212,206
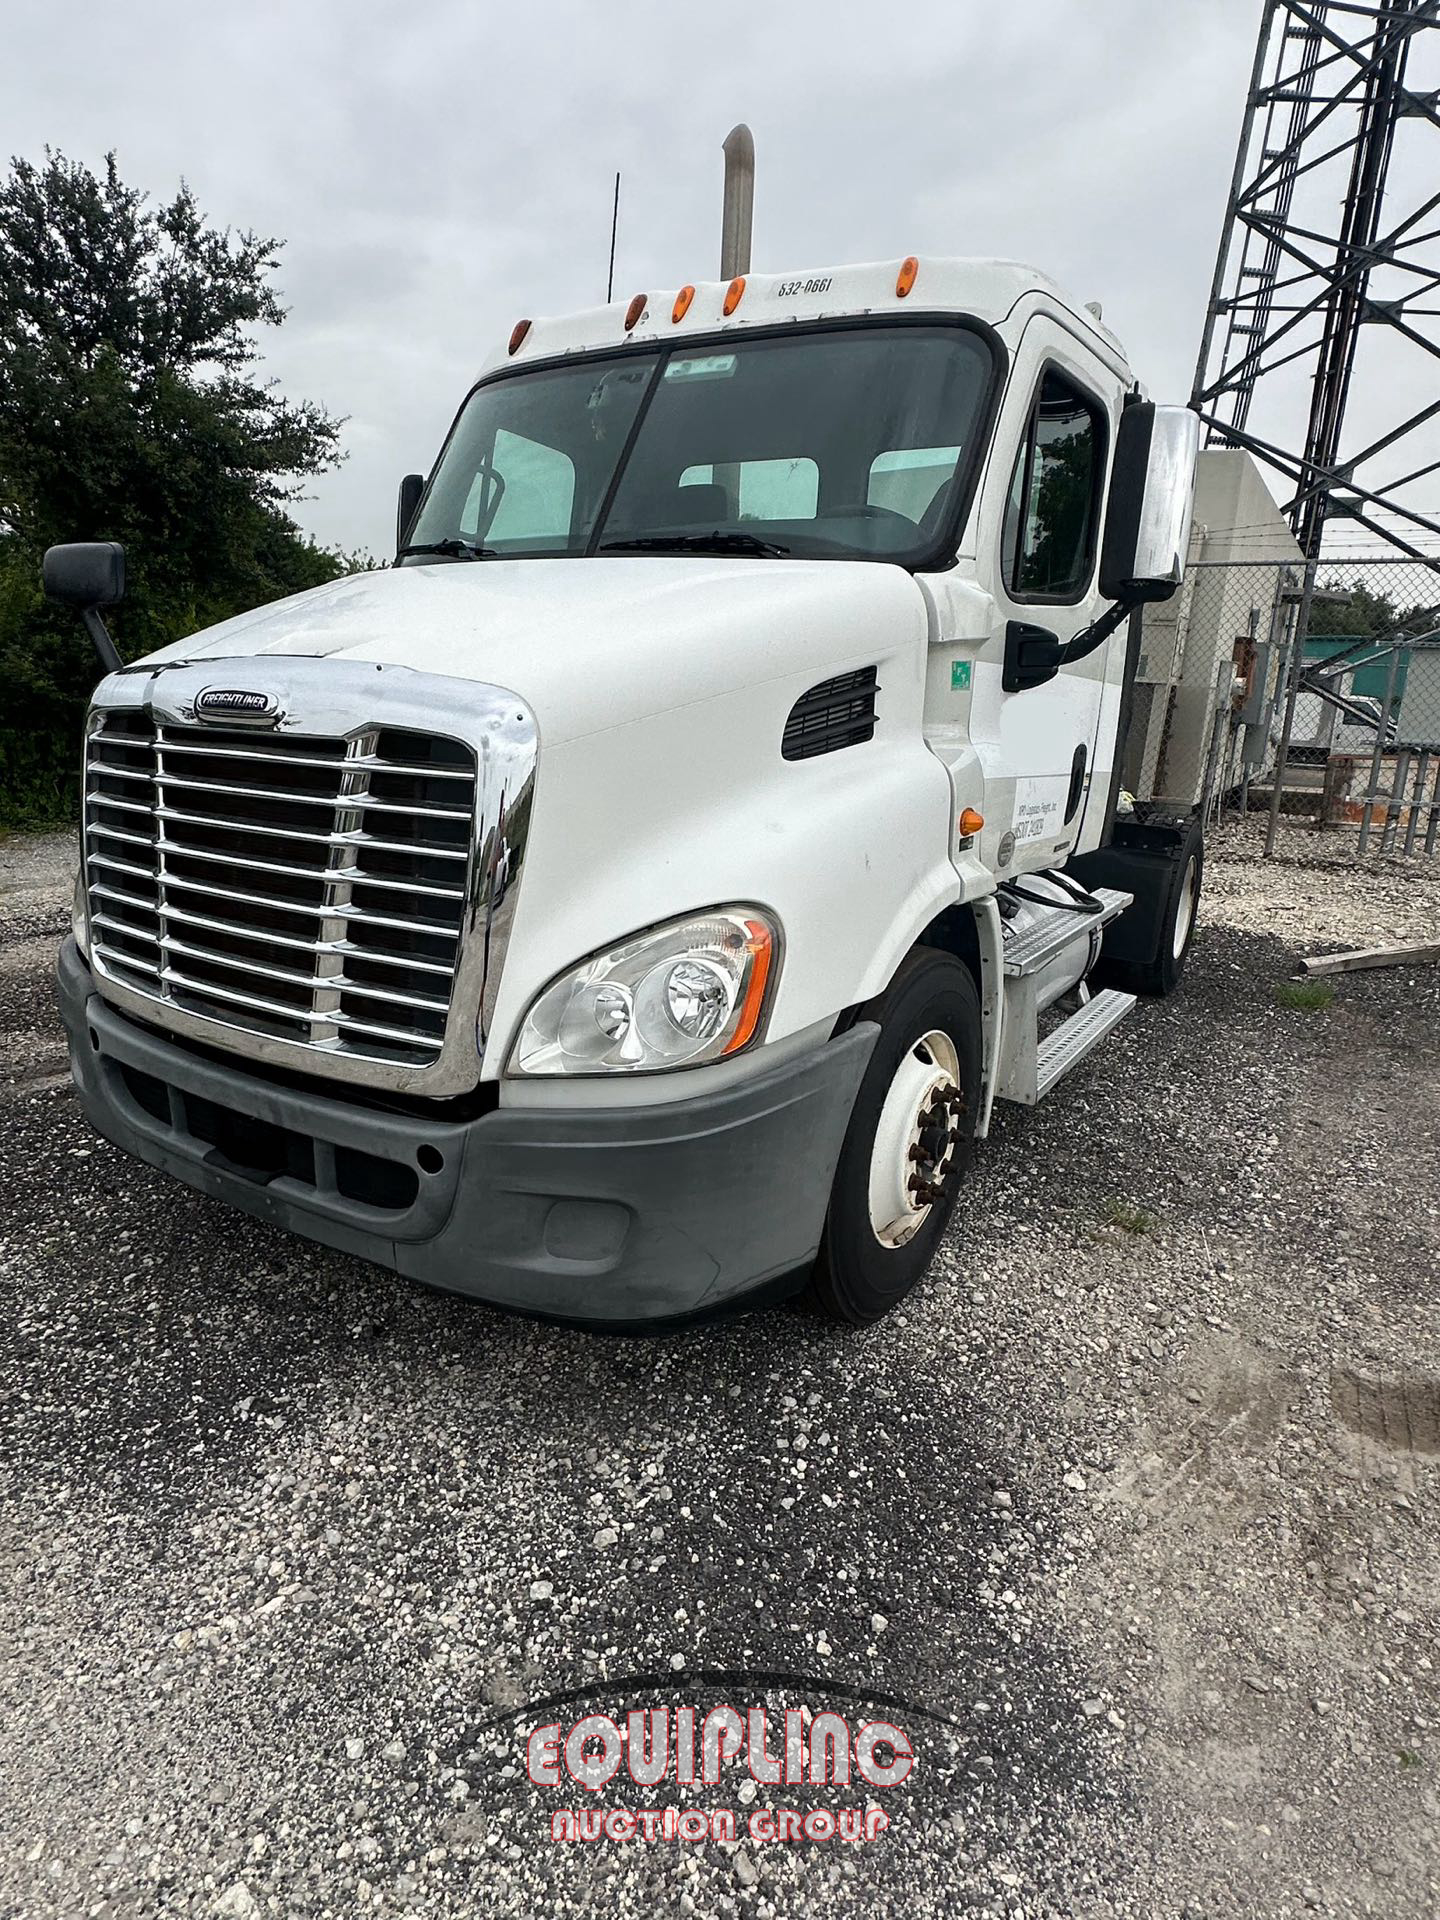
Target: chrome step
1068,1045
1032,950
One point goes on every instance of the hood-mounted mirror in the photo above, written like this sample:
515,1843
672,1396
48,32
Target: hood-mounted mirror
88,575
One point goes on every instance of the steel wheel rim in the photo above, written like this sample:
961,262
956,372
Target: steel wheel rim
916,1135
1185,915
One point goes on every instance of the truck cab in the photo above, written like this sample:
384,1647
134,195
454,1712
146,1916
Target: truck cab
631,902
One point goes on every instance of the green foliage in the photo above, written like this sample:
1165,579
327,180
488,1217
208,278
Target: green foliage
130,411
1358,610
1305,996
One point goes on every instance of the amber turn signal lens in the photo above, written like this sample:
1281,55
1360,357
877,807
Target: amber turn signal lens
733,292
682,304
634,311
905,279
517,335
762,946
970,823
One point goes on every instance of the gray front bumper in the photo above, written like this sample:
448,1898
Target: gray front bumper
614,1216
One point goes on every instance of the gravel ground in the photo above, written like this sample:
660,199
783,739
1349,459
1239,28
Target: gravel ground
1130,1518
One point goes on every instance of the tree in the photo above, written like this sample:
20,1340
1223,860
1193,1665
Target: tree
130,409
1352,609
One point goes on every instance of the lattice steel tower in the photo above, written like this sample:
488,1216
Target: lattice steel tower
1327,282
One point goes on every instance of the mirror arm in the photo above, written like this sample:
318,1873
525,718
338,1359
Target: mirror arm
100,638
1095,635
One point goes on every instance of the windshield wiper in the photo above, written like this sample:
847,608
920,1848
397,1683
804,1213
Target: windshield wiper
455,548
716,542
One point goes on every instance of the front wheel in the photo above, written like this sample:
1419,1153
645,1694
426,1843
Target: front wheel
909,1142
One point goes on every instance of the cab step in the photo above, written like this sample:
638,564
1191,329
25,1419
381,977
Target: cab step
1068,1045
1029,1066
1038,946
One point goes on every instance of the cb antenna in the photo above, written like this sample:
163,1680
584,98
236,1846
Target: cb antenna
614,229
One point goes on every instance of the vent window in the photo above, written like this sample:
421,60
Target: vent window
837,713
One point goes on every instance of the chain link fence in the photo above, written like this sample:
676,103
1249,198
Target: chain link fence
1311,695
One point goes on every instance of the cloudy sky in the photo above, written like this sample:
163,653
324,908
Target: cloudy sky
438,169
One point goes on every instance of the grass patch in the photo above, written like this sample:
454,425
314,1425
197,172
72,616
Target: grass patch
1130,1218
1305,996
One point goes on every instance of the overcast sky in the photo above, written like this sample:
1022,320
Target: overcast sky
439,169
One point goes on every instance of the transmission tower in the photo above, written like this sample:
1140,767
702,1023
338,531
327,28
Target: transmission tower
1329,257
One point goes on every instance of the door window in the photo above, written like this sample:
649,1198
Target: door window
1053,510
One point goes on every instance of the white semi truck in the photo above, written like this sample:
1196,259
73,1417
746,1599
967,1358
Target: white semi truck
632,901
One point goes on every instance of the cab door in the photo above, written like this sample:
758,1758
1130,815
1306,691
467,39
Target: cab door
1039,744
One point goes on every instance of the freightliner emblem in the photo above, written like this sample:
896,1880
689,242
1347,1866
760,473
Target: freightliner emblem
237,703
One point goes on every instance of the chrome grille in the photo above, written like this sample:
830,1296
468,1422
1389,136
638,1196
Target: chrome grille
307,888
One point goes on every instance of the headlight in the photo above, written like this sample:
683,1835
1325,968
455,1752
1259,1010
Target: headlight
77,915
680,995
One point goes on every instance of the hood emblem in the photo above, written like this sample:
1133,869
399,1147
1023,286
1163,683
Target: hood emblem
238,703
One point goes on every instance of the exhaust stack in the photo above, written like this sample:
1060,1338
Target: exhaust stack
739,211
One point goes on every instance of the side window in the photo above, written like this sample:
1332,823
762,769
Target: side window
528,493
769,489
1054,505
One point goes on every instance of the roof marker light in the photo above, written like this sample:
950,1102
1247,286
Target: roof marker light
633,312
733,294
517,335
682,305
905,279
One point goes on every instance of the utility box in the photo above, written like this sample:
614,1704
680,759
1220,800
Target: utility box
1417,724
1207,684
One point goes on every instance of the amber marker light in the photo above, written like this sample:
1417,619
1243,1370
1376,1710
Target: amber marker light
970,823
634,311
760,943
682,305
733,294
905,279
517,335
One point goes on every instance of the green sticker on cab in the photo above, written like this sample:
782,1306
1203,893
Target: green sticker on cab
959,675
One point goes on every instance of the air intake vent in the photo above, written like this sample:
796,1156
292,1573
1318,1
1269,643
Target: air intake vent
836,713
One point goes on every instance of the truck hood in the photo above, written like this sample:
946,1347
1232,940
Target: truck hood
588,643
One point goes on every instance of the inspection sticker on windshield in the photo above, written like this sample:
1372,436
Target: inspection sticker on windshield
1039,806
959,675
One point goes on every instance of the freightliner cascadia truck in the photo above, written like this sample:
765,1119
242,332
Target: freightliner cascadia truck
631,902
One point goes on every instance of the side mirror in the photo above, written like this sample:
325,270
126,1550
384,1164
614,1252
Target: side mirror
1032,656
88,575
1152,490
411,488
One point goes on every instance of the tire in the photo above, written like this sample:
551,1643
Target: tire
920,1095
1178,877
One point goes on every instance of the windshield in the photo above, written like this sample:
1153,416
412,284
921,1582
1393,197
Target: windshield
845,443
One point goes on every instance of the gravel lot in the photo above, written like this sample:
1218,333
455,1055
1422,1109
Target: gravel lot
1131,1516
